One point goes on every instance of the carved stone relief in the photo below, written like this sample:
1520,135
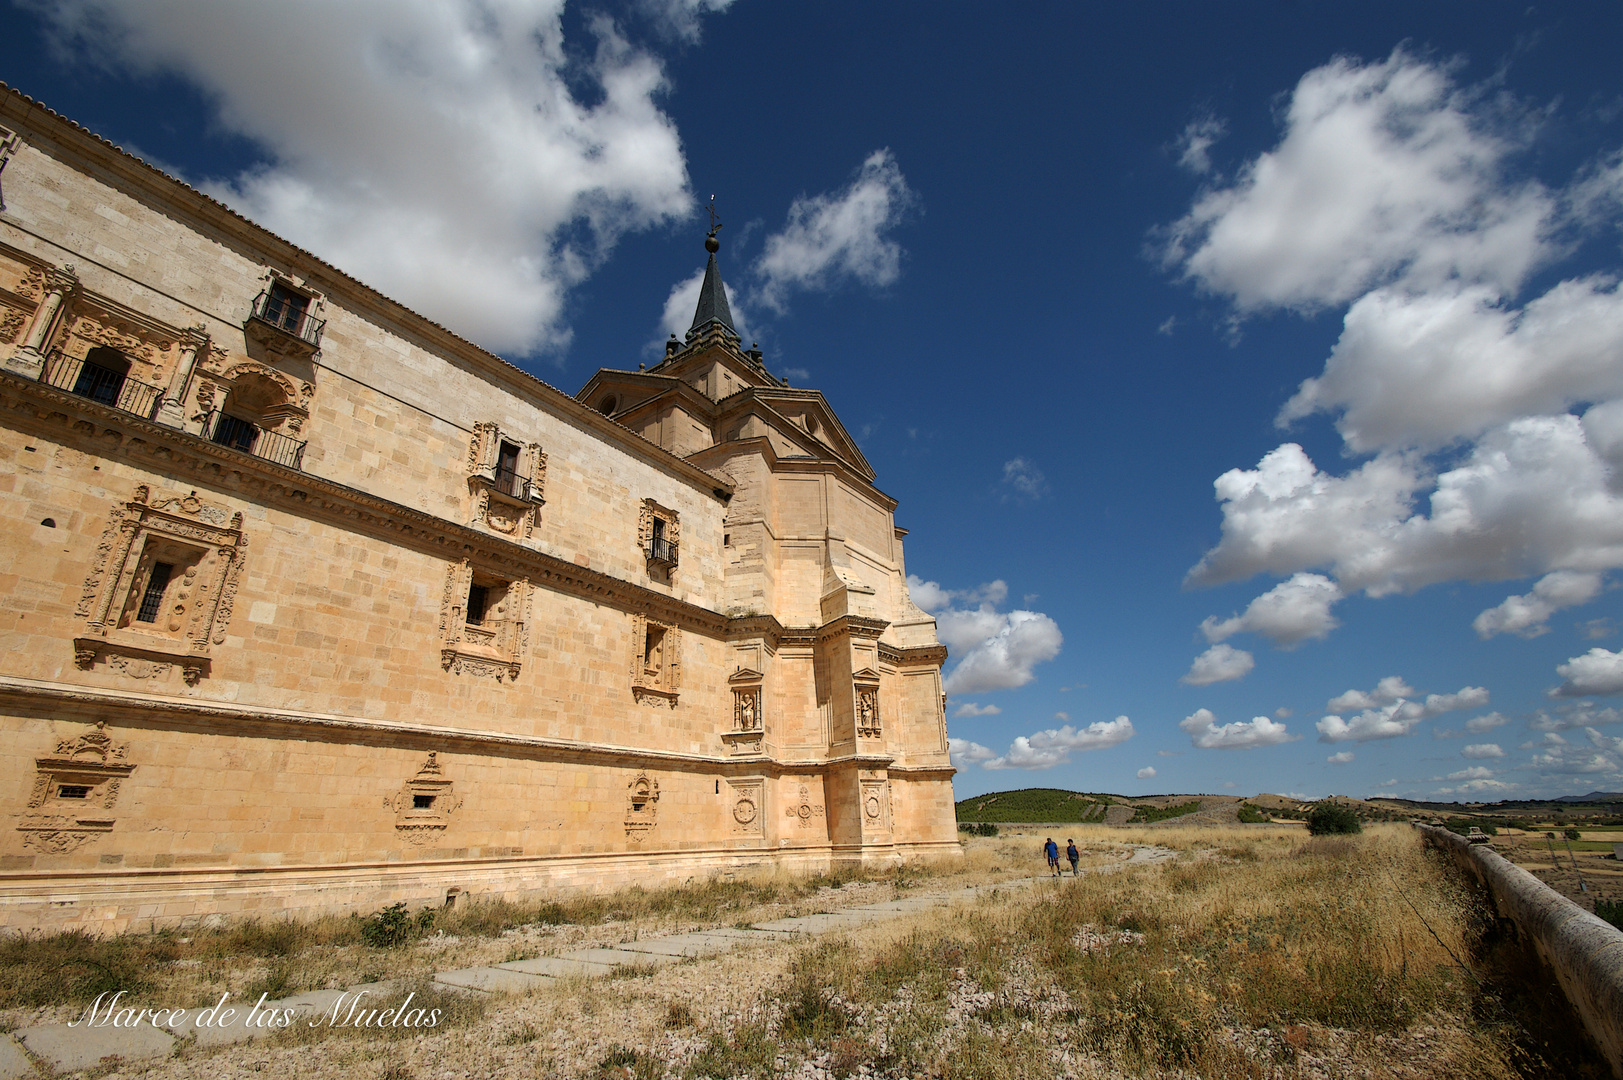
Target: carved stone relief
496,645
746,807
508,504
876,804
803,810
642,806
74,792
424,804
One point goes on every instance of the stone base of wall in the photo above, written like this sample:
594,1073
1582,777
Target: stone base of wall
145,899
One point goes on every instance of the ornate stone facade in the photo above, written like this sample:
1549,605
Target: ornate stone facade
314,606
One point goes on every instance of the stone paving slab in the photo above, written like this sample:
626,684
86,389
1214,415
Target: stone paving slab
14,1064
555,966
68,1049
617,957
493,980
681,945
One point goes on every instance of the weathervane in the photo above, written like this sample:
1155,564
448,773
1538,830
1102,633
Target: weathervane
711,244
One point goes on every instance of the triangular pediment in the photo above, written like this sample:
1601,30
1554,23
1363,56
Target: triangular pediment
867,674
745,675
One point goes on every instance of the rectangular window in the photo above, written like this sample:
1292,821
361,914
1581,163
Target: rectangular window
478,598
422,802
285,308
152,597
653,654
507,469
73,791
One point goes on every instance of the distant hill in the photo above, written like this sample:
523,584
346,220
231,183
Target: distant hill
1594,796
1037,804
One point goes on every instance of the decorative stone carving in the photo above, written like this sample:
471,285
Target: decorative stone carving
747,726
424,804
203,545
656,662
875,804
508,503
746,807
642,806
12,321
803,811
494,646
74,792
865,683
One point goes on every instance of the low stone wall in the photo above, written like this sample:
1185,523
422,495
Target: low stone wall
1584,952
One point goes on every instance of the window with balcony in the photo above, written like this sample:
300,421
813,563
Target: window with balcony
102,375
506,478
658,533
283,321
258,402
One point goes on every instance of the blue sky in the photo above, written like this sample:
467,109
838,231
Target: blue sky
1250,376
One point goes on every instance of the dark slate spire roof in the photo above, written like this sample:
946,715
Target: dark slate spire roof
712,296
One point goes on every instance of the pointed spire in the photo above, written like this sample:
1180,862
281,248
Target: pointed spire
712,295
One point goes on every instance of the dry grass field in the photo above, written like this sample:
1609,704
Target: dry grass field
1256,952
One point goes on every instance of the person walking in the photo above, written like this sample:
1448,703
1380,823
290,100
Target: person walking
1051,850
1074,855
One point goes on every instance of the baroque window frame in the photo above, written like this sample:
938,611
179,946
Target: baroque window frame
511,514
660,561
661,688
134,528
495,648
421,825
57,825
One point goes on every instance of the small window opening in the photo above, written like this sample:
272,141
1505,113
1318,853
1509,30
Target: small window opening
726,539
237,433
422,802
606,406
451,896
152,597
73,791
478,600
507,468
49,523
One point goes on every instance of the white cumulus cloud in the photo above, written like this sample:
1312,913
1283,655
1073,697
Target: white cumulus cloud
1220,663
1528,616
1388,713
461,157
1205,732
1341,757
1288,614
1577,714
1385,172
969,708
1023,479
964,753
1391,193
1597,672
1147,772
997,650
842,235
1478,751
1477,725
1053,747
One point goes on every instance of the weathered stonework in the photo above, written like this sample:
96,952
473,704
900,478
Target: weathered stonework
321,615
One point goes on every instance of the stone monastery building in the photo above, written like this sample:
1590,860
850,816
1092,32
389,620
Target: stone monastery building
311,605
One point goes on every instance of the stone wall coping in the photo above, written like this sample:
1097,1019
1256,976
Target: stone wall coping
1584,950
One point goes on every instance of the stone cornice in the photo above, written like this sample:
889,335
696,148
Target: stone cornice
88,704
95,156
917,655
306,494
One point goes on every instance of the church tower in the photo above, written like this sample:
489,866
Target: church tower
838,715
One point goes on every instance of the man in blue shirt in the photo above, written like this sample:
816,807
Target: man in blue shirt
1051,850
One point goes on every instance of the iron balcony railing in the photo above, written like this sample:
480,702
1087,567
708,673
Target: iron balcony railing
282,311
110,387
250,438
662,550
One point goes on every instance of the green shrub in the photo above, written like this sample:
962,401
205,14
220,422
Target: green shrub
1145,815
1327,819
394,925
1250,815
1611,911
1572,834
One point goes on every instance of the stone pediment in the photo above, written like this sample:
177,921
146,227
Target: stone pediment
867,674
745,675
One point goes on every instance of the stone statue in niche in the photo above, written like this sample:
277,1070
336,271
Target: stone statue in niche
747,708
